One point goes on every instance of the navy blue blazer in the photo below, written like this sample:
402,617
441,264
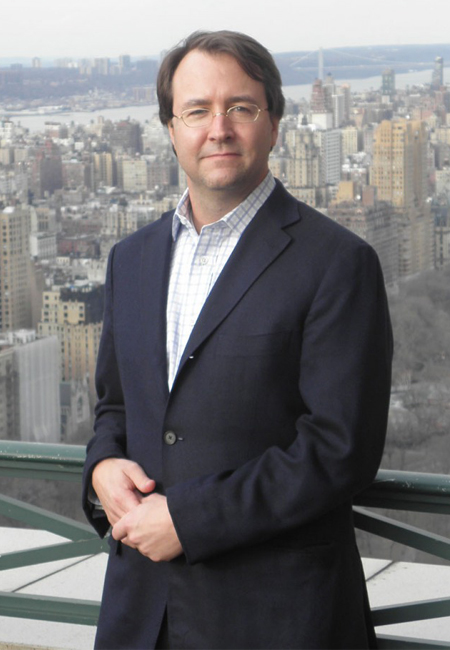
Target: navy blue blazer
278,411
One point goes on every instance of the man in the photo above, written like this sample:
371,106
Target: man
243,381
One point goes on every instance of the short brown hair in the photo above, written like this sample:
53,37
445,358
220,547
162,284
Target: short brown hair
253,58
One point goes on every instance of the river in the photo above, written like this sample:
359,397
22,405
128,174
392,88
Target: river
36,123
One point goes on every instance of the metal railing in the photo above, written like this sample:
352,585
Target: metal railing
58,463
391,490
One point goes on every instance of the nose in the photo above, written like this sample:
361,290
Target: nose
221,127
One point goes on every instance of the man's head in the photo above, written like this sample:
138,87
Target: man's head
220,97
251,56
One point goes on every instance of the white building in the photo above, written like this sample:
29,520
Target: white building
37,369
329,142
43,245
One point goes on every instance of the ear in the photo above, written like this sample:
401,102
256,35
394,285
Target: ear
171,133
275,124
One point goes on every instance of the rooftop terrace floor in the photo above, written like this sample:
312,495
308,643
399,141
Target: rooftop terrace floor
388,583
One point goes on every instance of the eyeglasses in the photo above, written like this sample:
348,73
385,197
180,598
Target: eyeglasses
202,117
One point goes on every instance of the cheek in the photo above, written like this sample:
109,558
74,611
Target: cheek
274,139
187,142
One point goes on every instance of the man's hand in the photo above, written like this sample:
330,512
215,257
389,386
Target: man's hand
149,529
118,484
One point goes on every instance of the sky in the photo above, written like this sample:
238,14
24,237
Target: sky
95,28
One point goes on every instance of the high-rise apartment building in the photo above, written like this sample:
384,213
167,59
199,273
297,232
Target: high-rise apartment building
377,225
102,66
437,79
399,168
351,141
8,380
29,387
321,105
388,84
134,174
304,164
38,375
15,292
103,170
345,90
338,101
399,172
124,62
125,137
74,314
7,130
47,173
330,146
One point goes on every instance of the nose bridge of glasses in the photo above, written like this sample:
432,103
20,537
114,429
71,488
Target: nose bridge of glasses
224,123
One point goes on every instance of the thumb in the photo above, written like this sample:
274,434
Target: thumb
140,479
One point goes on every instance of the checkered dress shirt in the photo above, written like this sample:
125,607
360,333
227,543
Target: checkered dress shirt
197,261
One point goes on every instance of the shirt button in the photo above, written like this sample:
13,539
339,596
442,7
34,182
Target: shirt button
170,438
204,260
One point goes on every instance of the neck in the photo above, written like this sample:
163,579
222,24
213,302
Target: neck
209,211
209,207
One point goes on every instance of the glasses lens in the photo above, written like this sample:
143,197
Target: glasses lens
196,117
243,113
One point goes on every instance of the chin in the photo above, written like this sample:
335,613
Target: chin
224,181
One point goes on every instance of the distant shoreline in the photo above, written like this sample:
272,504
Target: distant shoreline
36,122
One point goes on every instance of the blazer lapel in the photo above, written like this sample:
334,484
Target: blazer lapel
154,281
261,243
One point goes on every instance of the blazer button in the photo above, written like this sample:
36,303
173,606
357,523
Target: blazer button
170,438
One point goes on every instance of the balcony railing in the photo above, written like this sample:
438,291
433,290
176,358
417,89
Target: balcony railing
391,490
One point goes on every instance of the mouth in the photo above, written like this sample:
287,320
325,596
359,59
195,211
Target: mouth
222,155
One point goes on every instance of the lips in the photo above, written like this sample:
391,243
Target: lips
222,155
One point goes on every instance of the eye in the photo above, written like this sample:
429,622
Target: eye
196,113
242,109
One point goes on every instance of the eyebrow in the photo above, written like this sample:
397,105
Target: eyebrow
235,99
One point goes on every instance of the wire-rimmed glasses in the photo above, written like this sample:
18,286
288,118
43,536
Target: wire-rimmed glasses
199,116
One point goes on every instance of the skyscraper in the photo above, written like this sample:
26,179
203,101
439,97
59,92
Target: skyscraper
321,105
437,79
388,84
399,172
29,387
74,314
15,292
304,165
47,170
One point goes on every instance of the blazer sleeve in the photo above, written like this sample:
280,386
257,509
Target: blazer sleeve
110,432
345,372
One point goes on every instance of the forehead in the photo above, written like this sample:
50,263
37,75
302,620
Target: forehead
201,75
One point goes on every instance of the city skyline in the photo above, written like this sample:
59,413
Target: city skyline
145,28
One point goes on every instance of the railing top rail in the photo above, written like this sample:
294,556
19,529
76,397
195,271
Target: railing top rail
417,482
408,491
391,488
38,452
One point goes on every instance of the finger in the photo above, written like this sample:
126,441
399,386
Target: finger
119,531
126,541
140,479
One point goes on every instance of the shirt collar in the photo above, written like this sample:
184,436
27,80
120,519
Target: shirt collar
238,219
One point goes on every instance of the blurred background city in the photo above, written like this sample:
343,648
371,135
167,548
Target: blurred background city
84,162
